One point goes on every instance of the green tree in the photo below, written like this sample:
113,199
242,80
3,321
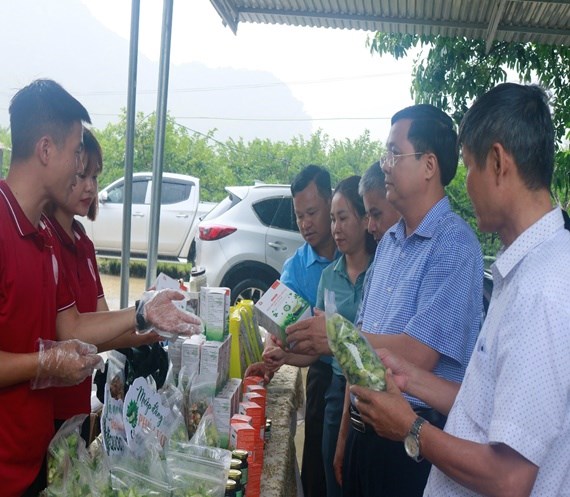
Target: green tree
348,157
5,144
451,72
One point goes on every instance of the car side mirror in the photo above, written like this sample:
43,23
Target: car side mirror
103,197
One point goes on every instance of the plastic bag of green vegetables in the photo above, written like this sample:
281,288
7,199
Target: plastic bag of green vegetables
197,397
207,433
198,471
129,483
68,472
356,357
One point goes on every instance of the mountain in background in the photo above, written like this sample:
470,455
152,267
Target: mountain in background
59,39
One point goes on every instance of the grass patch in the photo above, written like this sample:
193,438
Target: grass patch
137,268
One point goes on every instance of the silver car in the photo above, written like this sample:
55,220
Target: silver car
244,241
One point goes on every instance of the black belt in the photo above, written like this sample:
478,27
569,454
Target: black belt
430,415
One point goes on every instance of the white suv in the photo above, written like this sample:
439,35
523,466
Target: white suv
244,241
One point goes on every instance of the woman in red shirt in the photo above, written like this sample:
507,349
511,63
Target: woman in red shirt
80,268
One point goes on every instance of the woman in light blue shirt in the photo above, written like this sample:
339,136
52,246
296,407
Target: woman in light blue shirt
345,277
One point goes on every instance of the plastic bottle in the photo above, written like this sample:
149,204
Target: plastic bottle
198,278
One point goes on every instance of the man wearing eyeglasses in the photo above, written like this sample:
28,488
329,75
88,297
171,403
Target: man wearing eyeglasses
423,297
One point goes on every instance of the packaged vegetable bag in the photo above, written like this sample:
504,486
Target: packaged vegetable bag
68,471
356,357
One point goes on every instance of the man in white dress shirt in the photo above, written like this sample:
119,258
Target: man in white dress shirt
508,430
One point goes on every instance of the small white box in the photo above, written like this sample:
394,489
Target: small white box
191,354
215,360
279,307
214,311
225,406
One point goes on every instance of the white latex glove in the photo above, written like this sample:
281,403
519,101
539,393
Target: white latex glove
65,363
158,311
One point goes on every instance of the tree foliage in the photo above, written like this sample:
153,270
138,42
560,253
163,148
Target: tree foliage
451,72
5,144
234,162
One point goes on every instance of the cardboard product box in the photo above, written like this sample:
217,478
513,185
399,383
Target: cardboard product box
225,406
215,361
279,307
235,386
260,389
193,302
191,354
175,354
254,478
242,436
257,417
214,311
252,380
258,399
241,418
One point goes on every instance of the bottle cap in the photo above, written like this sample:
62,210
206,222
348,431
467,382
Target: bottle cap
197,271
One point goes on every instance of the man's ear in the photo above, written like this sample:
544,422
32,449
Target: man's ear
431,165
499,161
44,149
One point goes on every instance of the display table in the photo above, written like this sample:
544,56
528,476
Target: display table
285,394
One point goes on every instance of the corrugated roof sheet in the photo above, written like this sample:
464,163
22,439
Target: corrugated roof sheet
545,22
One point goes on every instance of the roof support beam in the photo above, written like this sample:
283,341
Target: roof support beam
230,16
496,17
361,18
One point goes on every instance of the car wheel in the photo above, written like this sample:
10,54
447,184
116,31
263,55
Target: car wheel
249,289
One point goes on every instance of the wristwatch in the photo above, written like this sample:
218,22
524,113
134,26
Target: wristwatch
141,321
412,440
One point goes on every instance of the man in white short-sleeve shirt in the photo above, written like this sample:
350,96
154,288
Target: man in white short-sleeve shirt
508,430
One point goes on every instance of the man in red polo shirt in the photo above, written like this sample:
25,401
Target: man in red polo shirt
47,128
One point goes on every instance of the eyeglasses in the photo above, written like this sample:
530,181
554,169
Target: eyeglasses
390,160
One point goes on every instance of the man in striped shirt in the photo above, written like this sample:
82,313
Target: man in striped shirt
423,297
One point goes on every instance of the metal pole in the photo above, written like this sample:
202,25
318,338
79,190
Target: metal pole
158,156
129,152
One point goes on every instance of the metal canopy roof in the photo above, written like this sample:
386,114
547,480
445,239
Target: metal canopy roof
543,22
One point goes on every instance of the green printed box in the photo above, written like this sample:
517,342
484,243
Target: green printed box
279,307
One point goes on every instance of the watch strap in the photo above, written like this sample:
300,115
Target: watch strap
414,432
141,321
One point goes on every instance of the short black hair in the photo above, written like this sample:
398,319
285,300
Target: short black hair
348,188
42,108
319,175
432,130
93,165
518,117
372,179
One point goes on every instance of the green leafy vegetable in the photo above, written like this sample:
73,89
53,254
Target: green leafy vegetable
356,357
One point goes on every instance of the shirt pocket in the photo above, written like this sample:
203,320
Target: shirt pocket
478,389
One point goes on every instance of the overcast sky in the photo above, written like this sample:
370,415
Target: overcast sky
343,88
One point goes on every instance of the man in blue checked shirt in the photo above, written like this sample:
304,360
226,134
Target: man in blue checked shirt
423,298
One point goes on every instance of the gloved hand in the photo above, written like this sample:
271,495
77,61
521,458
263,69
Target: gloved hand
65,363
158,311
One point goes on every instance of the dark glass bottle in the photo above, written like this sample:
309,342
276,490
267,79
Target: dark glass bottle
230,488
